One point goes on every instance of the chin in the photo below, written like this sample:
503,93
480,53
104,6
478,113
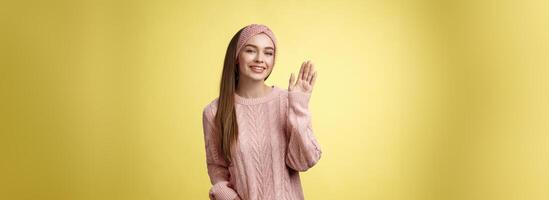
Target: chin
256,77
262,78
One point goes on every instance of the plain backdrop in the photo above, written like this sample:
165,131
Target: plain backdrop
415,99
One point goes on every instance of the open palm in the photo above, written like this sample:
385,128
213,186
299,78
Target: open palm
305,80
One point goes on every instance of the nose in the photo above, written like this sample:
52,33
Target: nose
258,58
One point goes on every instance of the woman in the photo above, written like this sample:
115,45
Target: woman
258,138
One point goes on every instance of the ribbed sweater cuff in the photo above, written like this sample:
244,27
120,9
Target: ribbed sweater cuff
221,191
300,98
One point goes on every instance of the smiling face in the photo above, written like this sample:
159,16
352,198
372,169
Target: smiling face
255,61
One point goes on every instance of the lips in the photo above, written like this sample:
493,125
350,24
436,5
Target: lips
257,69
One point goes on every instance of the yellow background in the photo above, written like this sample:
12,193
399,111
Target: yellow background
414,99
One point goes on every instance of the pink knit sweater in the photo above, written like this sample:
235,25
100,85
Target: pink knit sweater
275,143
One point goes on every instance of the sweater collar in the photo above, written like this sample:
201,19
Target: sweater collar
258,100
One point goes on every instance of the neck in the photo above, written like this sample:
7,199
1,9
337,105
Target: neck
252,89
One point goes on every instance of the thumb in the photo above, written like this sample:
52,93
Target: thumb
292,78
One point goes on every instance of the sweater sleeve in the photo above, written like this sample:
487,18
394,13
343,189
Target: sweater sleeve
217,166
303,149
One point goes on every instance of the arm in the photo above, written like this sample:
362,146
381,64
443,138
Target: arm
217,166
303,149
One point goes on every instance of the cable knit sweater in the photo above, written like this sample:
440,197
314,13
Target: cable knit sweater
275,143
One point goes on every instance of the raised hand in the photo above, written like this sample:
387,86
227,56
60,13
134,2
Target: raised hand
305,80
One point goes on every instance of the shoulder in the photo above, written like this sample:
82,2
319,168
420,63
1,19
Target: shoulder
283,93
210,109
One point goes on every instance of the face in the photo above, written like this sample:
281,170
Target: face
256,58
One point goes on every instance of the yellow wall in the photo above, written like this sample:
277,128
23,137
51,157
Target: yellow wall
414,99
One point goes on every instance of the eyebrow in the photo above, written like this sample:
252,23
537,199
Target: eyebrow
257,47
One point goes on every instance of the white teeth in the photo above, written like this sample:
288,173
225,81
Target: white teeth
257,69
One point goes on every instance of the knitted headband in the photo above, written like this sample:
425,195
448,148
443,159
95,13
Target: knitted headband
251,30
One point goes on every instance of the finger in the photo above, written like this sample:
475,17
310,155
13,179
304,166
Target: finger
311,72
306,71
303,66
300,75
313,80
290,86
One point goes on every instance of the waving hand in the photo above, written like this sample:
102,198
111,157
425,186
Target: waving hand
305,80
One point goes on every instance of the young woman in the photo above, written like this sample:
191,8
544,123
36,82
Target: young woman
258,137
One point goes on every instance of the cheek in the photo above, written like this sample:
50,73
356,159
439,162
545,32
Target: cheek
241,66
270,61
245,58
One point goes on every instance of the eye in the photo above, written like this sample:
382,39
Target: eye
249,51
269,53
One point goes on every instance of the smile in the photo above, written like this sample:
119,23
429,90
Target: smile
257,69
